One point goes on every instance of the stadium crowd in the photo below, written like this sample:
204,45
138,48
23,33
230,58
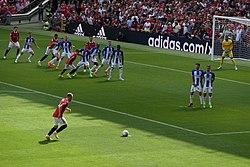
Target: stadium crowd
192,17
12,6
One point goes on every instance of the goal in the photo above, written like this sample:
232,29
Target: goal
238,29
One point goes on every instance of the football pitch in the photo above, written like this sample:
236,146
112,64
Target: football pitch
150,103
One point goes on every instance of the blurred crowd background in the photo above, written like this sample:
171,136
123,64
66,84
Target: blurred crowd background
171,17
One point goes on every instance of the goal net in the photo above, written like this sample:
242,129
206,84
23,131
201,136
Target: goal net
238,29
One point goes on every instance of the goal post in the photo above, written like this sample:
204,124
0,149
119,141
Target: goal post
238,29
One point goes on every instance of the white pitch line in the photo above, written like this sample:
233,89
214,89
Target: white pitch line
110,110
10,91
228,133
182,71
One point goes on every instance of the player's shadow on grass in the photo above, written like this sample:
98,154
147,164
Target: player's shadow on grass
191,109
44,142
108,81
91,113
22,62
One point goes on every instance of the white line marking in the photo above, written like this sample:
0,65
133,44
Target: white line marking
182,71
228,133
10,91
121,113
110,110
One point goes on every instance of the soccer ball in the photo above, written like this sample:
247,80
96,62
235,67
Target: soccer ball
125,133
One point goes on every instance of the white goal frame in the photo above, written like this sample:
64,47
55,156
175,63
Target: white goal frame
240,20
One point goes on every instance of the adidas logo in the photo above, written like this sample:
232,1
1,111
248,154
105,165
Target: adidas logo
79,30
101,34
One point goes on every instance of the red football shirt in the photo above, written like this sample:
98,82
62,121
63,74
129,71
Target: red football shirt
72,58
58,113
14,36
52,43
89,45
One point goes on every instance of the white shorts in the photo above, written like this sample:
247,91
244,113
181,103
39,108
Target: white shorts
30,50
83,63
60,121
207,89
94,60
14,45
69,66
48,50
55,52
64,54
119,64
196,88
105,61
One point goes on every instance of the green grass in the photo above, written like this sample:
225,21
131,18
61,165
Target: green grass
157,92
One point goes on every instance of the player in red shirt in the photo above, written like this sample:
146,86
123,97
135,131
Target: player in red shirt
52,43
90,44
58,116
14,42
69,63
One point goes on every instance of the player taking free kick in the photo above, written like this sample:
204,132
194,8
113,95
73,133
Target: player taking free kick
60,122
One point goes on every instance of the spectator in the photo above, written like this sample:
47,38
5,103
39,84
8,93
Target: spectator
176,28
191,17
239,33
147,26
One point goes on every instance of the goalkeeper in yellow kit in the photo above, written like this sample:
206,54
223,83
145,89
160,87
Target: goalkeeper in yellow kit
227,46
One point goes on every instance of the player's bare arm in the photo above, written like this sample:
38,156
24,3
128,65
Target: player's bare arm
193,80
11,39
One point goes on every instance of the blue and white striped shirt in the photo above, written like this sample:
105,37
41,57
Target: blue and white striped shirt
117,56
209,78
28,41
94,52
197,76
57,46
85,55
107,52
66,46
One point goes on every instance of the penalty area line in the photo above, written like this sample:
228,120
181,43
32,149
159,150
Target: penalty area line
109,110
228,133
18,92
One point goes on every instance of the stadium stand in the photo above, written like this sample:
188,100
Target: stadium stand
12,6
192,18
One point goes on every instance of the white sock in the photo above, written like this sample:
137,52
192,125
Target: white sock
107,69
201,100
94,66
191,99
110,73
59,61
98,68
204,101
90,71
18,56
52,61
209,100
30,56
120,73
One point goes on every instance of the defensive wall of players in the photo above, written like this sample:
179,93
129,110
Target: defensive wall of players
181,43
